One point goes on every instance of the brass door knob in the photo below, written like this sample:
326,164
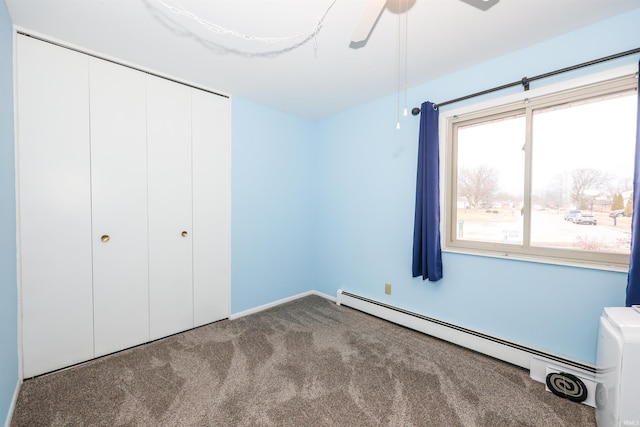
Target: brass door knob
105,238
185,234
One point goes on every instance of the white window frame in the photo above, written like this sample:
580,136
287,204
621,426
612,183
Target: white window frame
536,97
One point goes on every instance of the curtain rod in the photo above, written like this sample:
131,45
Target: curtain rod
526,80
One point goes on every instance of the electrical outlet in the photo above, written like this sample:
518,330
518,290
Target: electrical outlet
387,288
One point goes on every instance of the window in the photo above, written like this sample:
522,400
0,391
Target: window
549,177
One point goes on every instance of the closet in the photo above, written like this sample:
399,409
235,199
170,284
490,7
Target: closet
123,206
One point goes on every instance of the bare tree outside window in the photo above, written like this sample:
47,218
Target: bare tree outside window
586,184
478,184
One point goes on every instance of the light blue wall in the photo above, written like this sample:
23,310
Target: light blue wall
366,184
272,205
8,288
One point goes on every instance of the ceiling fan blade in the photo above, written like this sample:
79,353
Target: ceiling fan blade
370,15
481,4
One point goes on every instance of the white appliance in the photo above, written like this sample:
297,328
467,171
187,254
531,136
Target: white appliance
618,368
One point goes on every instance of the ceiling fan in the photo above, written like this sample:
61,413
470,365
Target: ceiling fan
374,8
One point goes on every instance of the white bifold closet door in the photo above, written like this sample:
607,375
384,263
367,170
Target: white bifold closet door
124,202
119,206
54,197
211,206
170,207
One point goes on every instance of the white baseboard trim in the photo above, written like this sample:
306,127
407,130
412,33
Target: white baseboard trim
278,302
12,407
325,296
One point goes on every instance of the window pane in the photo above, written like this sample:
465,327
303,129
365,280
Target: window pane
490,182
582,174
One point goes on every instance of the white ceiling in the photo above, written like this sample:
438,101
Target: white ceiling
301,78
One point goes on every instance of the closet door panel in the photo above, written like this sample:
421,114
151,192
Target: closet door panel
55,206
211,206
119,206
170,204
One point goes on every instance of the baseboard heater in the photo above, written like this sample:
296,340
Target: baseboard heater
539,363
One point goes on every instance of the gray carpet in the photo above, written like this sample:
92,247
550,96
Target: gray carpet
305,363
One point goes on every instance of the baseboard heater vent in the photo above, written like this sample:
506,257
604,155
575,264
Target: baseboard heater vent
539,363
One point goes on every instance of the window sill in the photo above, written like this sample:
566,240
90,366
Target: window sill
537,259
